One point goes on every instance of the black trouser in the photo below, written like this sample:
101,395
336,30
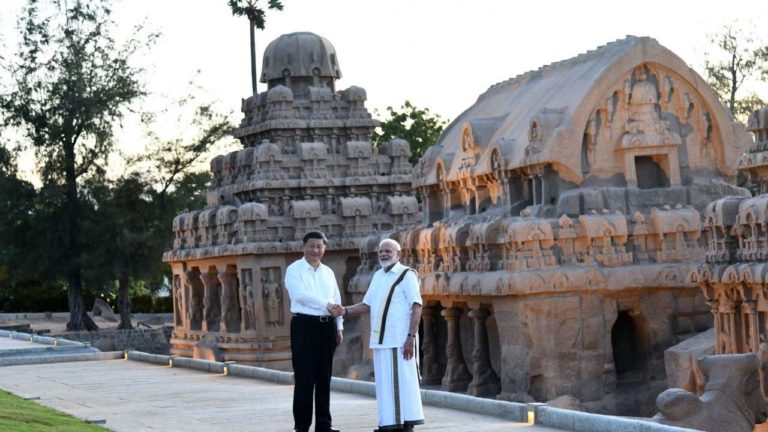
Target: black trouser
313,343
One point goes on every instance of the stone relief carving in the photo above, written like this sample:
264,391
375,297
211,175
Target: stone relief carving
230,302
178,305
273,296
248,300
190,279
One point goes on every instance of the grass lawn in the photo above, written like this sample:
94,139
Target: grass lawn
18,415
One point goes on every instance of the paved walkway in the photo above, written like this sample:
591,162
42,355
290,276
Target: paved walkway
135,396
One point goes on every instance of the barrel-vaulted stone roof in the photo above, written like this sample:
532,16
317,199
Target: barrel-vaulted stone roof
540,116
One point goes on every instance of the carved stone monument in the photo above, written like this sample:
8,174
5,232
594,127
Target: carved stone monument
307,163
732,400
562,216
734,279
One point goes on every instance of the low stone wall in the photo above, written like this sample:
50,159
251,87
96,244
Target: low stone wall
32,315
155,341
536,413
585,422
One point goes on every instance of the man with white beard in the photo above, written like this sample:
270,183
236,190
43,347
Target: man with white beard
394,300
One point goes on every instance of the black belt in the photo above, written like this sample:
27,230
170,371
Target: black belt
322,319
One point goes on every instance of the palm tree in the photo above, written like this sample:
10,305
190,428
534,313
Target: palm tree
256,19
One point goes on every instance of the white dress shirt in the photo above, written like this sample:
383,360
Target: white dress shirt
310,289
399,313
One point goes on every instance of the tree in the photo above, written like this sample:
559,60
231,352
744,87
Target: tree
7,162
26,247
738,59
121,225
128,220
170,159
416,125
256,19
70,84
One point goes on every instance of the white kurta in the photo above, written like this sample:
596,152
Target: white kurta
398,396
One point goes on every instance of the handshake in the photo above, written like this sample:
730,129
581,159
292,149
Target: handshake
336,310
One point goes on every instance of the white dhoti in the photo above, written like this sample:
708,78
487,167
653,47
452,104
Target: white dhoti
398,396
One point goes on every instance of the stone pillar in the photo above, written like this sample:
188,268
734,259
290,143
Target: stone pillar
734,331
446,200
485,382
428,209
193,289
211,305
505,192
752,335
457,376
178,302
245,306
230,307
731,327
713,308
431,372
630,172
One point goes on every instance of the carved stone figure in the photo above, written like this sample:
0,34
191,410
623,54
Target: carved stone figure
272,296
192,285
732,399
230,307
178,306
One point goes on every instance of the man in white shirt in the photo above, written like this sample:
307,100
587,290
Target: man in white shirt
315,334
394,301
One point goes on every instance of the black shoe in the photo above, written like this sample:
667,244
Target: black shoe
328,430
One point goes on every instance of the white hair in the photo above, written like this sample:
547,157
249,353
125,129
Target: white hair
392,242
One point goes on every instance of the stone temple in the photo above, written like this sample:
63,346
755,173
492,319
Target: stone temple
307,163
734,278
559,220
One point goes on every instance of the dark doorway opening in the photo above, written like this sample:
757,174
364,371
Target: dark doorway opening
650,174
628,357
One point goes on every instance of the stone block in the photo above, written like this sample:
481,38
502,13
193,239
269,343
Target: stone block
353,386
615,200
592,199
198,364
680,361
645,199
566,402
569,203
556,418
149,358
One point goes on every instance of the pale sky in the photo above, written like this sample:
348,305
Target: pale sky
439,54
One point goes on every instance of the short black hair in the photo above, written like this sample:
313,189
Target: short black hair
315,235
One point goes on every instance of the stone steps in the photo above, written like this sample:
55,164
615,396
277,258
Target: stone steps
25,349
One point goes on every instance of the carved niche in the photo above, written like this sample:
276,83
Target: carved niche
643,124
248,300
272,291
